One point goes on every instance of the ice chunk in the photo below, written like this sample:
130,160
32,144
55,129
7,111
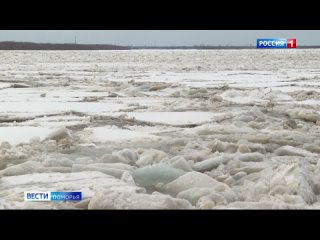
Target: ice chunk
58,162
290,123
219,146
243,148
20,169
229,181
293,151
312,147
216,98
208,129
112,158
316,184
257,112
129,155
87,145
197,156
156,174
83,160
251,157
251,167
5,145
121,166
254,96
206,202
257,147
208,164
128,178
175,158
239,175
119,199
51,178
151,156
181,163
220,195
83,204
54,169
59,134
190,180
126,156
309,115
304,114
245,118
291,178
109,171
251,205
5,204
193,194
35,140
297,178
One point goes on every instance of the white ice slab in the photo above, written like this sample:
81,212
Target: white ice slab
15,135
109,133
174,118
53,107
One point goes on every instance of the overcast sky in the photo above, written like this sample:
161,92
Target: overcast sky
159,37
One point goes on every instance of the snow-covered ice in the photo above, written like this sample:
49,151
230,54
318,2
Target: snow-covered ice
23,134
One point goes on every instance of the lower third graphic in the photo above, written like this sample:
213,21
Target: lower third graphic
52,196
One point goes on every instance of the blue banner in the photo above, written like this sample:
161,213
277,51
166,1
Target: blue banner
66,196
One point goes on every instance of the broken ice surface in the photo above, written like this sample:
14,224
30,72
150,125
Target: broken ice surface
139,130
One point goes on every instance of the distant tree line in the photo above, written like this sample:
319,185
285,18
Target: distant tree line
57,46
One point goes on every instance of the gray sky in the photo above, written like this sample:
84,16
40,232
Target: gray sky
159,37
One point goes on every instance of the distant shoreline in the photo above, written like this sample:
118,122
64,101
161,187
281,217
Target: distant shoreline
57,46
70,46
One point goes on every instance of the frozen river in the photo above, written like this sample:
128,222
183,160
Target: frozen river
161,129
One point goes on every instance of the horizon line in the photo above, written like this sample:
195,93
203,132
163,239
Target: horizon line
131,46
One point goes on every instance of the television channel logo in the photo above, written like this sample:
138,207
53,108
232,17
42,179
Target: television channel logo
276,43
52,196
